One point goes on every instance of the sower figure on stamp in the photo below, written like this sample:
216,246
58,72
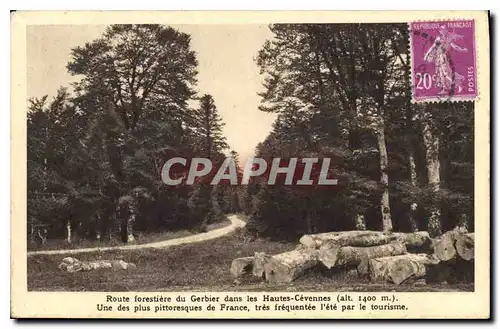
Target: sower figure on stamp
446,76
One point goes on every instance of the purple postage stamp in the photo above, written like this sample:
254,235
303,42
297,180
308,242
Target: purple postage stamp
443,58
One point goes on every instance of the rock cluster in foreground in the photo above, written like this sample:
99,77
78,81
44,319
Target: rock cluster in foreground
72,265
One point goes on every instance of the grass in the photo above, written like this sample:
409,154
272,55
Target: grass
141,238
195,267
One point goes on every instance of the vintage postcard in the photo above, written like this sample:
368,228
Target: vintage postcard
250,165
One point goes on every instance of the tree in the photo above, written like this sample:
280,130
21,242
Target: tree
201,207
207,203
345,87
54,129
235,192
357,64
208,128
134,73
95,159
135,66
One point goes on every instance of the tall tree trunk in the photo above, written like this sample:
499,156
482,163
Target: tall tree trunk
106,216
130,220
32,233
360,222
431,142
116,230
68,231
410,144
309,223
130,228
311,215
413,182
384,180
208,132
97,227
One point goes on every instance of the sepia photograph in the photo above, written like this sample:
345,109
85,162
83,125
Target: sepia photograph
279,157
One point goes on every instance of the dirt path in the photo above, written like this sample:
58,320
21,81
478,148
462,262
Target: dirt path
235,223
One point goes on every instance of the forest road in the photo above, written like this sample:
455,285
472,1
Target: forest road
236,222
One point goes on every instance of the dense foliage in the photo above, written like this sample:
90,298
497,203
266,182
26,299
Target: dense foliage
343,90
340,91
95,156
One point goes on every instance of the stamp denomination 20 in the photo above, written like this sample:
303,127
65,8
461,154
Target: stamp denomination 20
443,61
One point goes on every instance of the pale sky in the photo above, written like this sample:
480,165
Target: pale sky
227,71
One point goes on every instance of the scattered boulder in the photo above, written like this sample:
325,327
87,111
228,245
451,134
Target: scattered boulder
70,260
72,265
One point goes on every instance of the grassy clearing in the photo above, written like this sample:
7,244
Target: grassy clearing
194,267
141,238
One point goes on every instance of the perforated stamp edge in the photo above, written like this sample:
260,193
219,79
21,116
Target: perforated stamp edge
437,99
